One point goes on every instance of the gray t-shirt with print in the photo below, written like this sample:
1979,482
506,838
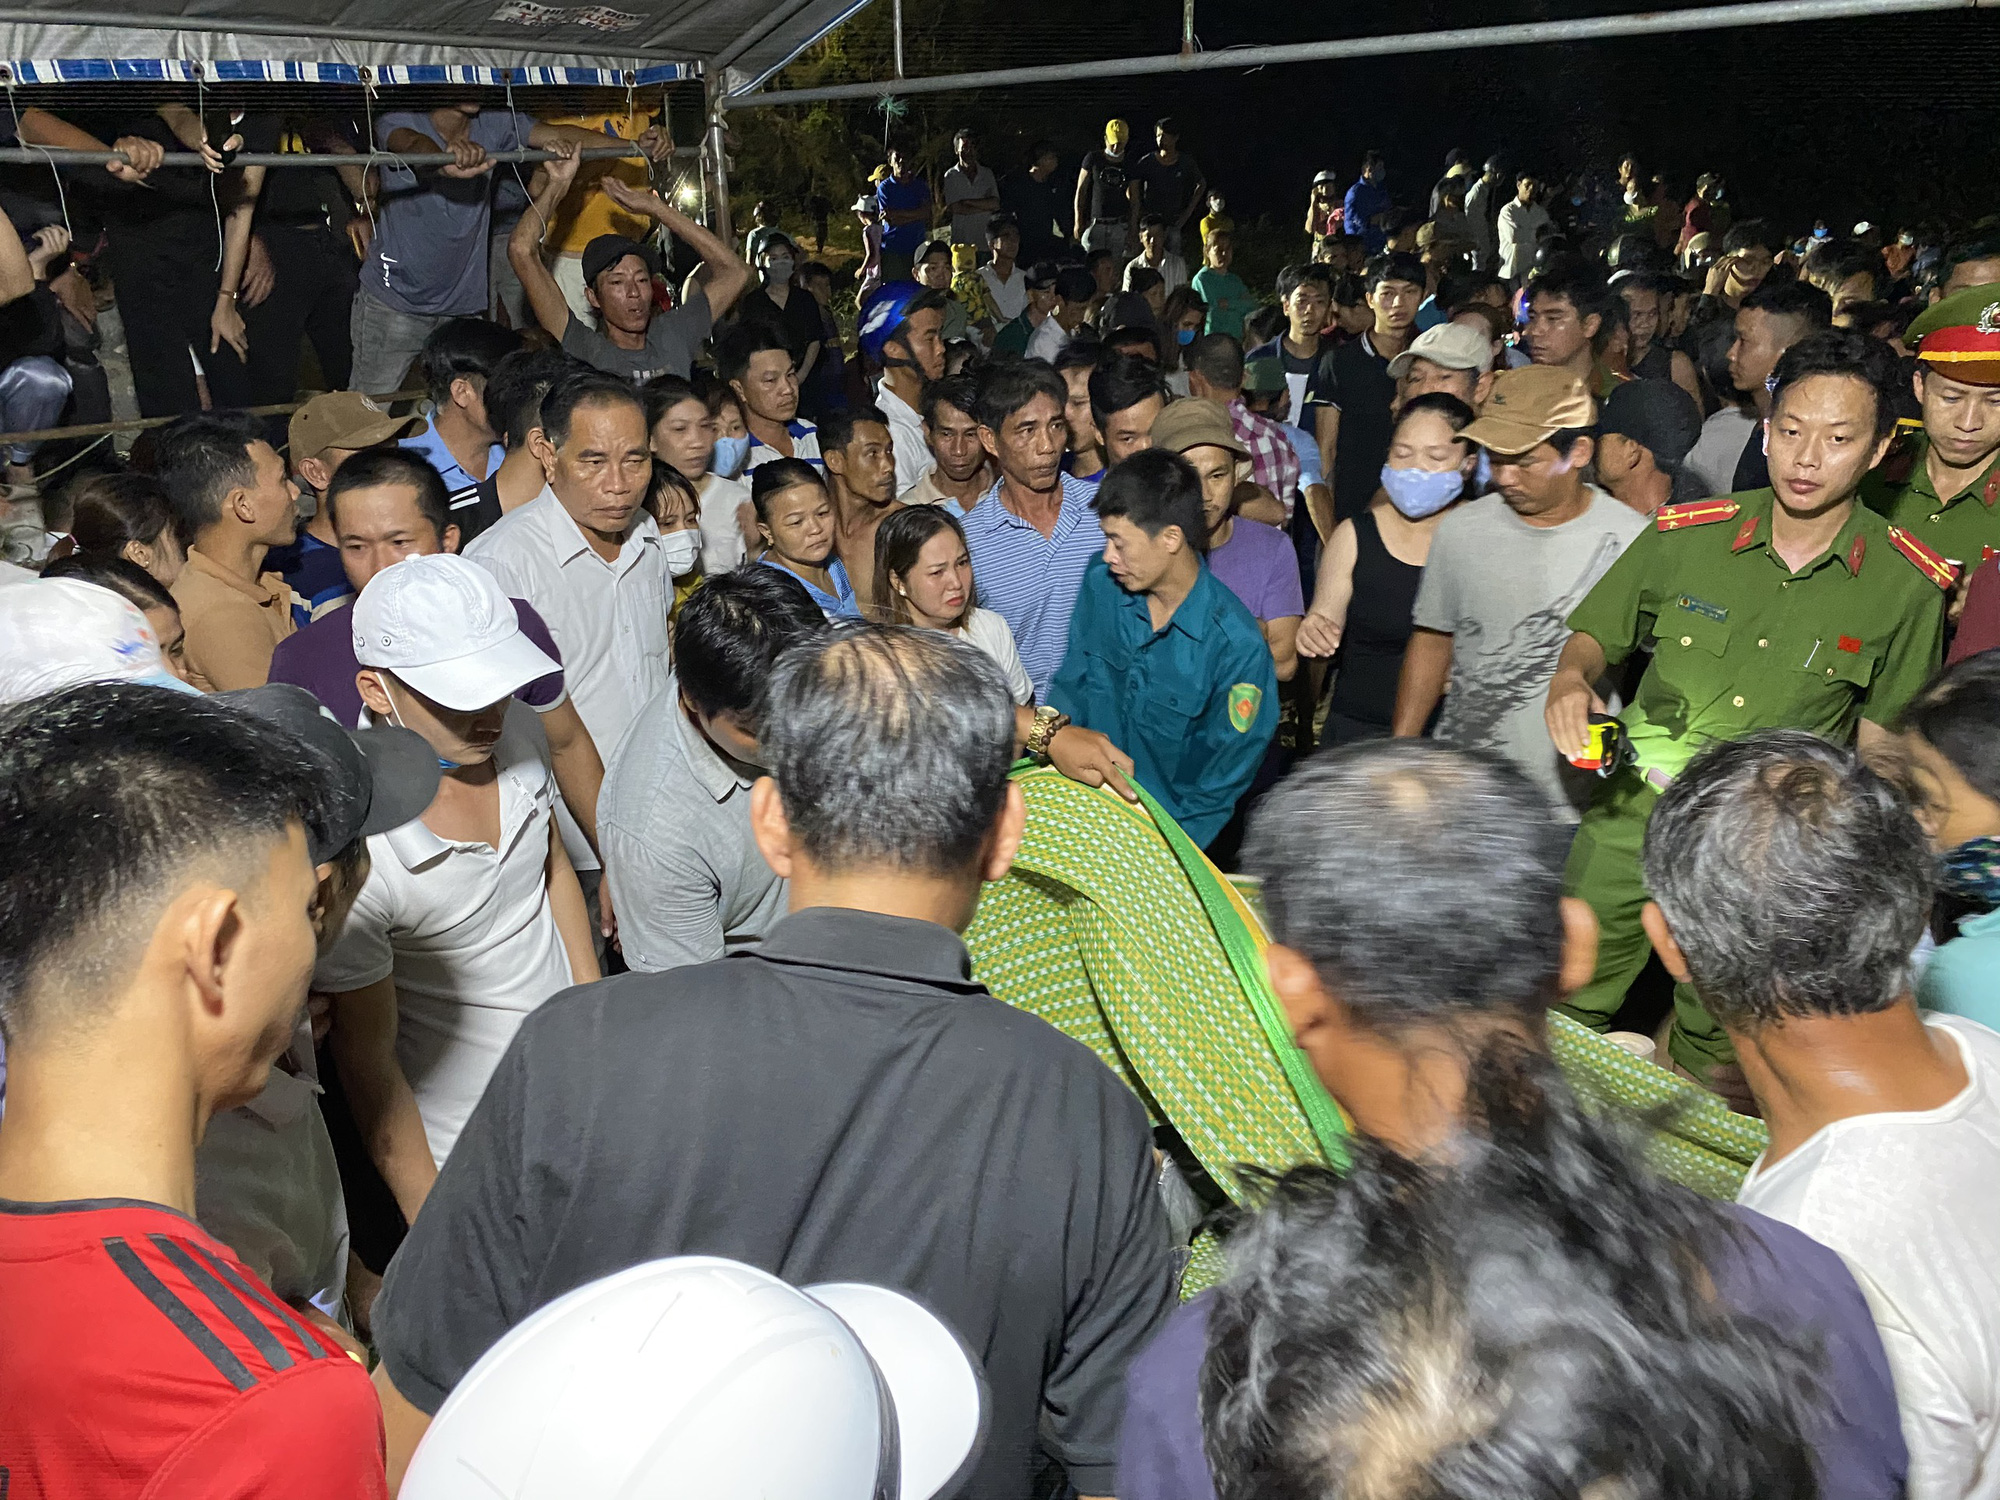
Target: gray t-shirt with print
672,340
1502,589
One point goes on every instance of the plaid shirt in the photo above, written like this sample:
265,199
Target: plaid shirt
1274,463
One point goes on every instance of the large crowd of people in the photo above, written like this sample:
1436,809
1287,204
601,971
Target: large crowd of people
480,863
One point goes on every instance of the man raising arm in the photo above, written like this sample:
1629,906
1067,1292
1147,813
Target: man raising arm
637,340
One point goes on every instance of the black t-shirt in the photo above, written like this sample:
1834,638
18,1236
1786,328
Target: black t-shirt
473,510
1356,379
797,322
168,222
1042,211
1168,186
30,325
844,1103
1107,185
306,196
1753,470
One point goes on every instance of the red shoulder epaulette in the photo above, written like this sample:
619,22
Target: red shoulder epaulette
1694,513
1935,568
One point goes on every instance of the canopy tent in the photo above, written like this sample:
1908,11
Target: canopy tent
735,43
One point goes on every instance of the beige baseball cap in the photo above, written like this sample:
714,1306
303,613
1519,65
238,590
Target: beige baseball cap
1528,406
1195,423
342,419
1452,345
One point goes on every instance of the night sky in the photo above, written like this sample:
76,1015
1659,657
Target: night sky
1890,119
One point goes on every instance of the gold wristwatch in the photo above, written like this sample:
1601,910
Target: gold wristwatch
1048,724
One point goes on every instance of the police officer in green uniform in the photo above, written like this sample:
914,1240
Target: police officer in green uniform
1791,607
1951,502
1162,657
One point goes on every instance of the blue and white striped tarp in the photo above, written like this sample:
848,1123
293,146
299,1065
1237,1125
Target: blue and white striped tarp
240,70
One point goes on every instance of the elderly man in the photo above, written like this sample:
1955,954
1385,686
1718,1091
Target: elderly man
1452,358
931,1140
1792,884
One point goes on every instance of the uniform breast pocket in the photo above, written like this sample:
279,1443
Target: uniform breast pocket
1688,650
1852,666
1686,629
1167,717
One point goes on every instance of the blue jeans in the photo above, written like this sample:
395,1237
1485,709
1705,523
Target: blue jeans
33,393
386,343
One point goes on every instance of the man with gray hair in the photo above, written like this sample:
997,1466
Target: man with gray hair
845,1103
1790,884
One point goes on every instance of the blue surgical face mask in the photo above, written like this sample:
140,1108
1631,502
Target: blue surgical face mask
1184,336
1421,492
397,719
167,680
729,455
1482,474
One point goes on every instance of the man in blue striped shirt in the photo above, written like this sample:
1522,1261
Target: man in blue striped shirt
1034,533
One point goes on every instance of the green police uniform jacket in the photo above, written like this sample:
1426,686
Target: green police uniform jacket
1194,703
1962,528
1742,643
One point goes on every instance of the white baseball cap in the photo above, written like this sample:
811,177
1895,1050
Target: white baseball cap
57,633
705,1377
1452,345
445,628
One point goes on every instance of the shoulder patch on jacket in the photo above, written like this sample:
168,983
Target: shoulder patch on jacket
1925,561
1694,513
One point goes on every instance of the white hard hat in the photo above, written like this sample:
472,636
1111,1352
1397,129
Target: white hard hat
705,1377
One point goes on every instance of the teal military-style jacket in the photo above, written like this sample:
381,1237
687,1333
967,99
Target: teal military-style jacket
1194,703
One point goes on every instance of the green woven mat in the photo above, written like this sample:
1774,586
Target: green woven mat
1113,929
1099,931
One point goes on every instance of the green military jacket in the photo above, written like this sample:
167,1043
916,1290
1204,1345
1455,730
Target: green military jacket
1742,643
1963,528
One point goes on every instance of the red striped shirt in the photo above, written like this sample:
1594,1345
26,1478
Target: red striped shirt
139,1357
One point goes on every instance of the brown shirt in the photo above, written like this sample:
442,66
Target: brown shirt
232,626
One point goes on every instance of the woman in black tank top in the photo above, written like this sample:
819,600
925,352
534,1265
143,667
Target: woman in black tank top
1367,586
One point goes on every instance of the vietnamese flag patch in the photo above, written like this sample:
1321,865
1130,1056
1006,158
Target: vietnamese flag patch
1849,643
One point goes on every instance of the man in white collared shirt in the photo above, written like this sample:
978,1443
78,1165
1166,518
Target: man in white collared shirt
899,332
588,557
471,916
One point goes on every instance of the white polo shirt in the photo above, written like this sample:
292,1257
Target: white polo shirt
609,619
906,427
468,932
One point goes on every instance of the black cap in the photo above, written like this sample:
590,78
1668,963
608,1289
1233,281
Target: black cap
1656,414
390,774
604,252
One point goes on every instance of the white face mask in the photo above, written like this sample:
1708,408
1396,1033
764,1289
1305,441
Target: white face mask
682,548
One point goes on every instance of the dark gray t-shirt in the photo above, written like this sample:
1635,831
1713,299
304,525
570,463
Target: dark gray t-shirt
672,340
845,1103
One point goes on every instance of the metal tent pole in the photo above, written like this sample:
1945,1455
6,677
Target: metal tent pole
717,150
1593,28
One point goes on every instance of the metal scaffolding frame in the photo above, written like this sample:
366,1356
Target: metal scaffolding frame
1582,29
